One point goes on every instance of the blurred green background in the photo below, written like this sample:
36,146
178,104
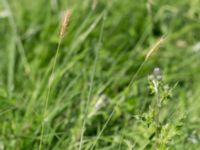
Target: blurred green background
105,45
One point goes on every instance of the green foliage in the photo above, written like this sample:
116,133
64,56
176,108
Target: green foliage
160,133
91,104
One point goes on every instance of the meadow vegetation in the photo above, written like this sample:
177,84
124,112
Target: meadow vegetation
122,75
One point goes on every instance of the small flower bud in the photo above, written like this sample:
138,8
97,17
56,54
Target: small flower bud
157,73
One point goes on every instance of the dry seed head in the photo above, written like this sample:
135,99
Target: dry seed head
154,48
65,23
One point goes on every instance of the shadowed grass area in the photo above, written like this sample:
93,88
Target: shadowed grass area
104,94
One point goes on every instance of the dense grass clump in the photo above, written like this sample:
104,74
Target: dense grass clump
123,74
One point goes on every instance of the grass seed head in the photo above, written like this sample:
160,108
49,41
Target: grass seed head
65,23
154,48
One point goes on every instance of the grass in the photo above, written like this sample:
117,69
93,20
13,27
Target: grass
104,94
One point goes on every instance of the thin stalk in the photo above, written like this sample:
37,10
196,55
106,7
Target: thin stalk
157,111
51,78
64,25
91,83
157,116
